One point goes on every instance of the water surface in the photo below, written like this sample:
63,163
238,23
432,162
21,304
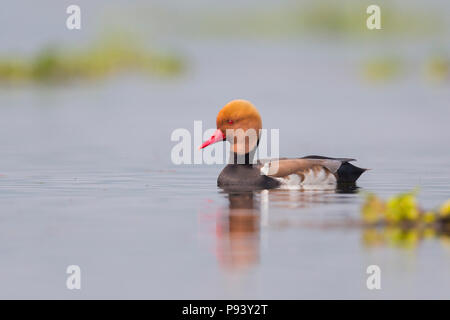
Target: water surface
86,179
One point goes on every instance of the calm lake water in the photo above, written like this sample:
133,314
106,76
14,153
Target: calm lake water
86,179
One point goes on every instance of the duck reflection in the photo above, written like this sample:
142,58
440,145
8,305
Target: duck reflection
238,226
238,245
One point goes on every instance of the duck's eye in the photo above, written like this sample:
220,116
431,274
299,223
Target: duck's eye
230,121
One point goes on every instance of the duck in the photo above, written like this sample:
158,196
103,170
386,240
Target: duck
239,122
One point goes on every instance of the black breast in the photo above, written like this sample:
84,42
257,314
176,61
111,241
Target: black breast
245,176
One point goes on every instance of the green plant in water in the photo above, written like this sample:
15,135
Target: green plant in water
438,68
402,209
400,222
382,69
373,209
48,64
100,60
444,210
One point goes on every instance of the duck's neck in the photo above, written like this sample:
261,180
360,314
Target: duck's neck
242,159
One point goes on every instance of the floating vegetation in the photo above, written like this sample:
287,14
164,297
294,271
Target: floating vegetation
349,18
401,222
335,18
402,208
383,68
438,68
327,17
102,59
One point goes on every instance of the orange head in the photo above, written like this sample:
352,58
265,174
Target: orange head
239,123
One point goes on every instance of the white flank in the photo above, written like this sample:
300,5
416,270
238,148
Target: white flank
265,169
320,181
291,182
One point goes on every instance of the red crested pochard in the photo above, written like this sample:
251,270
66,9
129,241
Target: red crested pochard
310,172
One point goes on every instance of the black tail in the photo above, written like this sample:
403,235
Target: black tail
348,173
